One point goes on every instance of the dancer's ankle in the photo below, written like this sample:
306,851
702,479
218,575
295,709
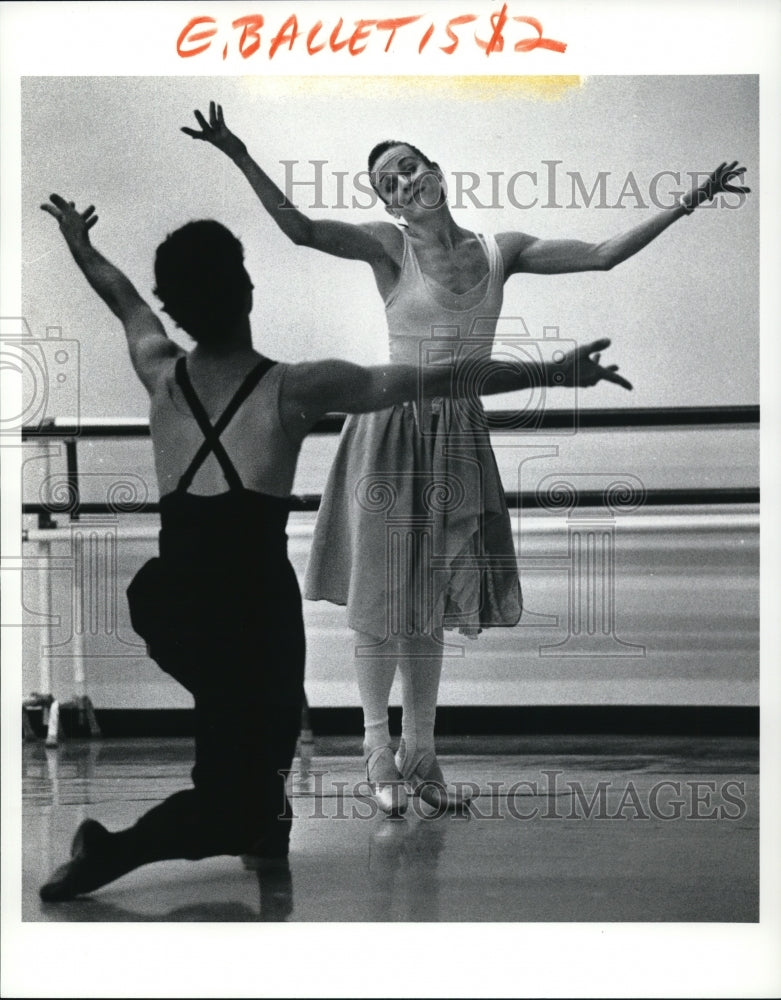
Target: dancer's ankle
375,737
412,748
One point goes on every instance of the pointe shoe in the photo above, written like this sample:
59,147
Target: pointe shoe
386,784
85,871
424,777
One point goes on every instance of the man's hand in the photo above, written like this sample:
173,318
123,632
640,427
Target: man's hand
717,183
150,349
217,132
74,225
578,368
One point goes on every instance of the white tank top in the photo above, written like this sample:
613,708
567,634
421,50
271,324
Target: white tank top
419,309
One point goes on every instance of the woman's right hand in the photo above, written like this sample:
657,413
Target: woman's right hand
217,132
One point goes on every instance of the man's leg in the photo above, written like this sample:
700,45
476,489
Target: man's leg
176,828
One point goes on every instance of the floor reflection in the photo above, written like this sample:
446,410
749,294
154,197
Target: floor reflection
275,904
527,856
403,867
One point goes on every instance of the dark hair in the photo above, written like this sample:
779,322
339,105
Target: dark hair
201,280
386,144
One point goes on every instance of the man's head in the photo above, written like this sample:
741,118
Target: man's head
201,280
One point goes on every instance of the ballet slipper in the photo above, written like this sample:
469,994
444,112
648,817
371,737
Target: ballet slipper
86,870
387,785
424,777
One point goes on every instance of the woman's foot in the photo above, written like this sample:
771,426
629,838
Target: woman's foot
88,869
386,784
424,777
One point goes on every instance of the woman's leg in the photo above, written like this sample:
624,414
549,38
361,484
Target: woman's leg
420,666
375,675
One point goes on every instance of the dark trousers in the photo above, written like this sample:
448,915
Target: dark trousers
248,692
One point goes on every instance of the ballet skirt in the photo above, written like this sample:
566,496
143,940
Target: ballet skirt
413,532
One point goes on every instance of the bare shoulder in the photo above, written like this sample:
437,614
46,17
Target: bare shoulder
309,380
300,377
152,353
307,392
388,235
159,374
512,246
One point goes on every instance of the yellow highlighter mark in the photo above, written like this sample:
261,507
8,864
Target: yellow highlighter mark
474,87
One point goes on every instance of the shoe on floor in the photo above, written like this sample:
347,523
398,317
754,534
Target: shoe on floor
87,869
424,777
386,784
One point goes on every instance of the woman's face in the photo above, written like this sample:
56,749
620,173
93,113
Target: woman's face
406,183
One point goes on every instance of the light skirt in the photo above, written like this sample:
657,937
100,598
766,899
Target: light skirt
413,532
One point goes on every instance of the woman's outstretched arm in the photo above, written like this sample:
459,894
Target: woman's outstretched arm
523,253
146,337
341,239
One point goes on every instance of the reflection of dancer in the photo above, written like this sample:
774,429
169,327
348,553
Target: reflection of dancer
275,904
431,274
220,609
403,866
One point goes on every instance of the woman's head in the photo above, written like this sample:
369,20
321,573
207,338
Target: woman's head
201,280
386,145
405,178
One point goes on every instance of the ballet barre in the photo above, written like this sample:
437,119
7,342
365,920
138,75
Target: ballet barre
704,521
585,514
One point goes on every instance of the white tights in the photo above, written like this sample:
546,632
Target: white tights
419,660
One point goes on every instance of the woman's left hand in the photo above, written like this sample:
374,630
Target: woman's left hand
719,182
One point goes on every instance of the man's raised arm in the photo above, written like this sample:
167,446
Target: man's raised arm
146,337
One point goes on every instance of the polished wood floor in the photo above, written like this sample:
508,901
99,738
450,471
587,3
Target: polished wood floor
561,829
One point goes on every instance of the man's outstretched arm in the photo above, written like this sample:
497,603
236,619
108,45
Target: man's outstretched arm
315,388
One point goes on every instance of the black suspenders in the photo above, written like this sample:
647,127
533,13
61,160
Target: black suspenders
211,432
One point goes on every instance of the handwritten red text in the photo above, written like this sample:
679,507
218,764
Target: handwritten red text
252,34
